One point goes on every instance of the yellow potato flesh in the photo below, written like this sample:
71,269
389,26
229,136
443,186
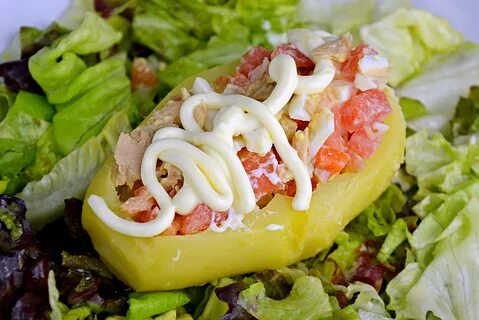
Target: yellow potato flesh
174,262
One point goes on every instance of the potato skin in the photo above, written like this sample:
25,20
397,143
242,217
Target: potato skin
174,262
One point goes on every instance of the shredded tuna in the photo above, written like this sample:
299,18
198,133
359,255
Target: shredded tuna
337,50
168,116
232,88
289,126
284,174
261,88
312,103
142,201
301,144
130,148
170,177
128,156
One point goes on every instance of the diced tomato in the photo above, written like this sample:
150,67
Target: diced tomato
363,142
350,67
249,62
220,217
302,61
198,220
260,169
252,59
141,202
301,124
148,215
290,188
143,75
364,109
333,156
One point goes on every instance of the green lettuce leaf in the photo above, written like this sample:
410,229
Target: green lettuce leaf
412,109
55,68
26,122
194,35
307,300
438,166
449,76
85,97
409,38
32,39
47,154
339,17
7,99
445,286
367,301
74,15
144,305
214,308
27,119
88,112
172,28
219,53
397,234
466,117
71,175
378,220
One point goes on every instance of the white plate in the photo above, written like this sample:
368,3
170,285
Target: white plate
39,13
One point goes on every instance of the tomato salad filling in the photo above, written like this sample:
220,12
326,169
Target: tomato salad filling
353,106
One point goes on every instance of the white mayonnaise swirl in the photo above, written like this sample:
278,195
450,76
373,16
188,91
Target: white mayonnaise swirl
213,173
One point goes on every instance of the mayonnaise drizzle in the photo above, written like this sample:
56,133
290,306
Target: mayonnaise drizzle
213,173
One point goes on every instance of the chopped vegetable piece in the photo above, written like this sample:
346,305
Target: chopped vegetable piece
364,109
262,172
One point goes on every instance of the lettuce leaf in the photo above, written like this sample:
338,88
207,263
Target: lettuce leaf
466,118
219,53
148,304
409,38
367,301
379,220
214,308
445,286
59,310
449,76
194,35
85,97
26,122
71,175
438,166
339,17
436,282
7,99
307,300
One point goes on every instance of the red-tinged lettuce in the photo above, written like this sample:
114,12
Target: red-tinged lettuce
82,280
32,39
16,76
24,276
85,286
